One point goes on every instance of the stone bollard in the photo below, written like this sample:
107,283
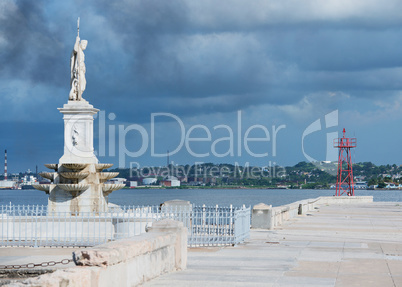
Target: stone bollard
168,225
262,216
300,211
177,203
179,210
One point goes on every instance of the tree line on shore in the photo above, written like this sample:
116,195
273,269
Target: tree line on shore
302,175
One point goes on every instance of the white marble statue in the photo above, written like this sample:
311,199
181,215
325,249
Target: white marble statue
77,65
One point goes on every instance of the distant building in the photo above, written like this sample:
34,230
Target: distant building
390,185
196,183
117,180
361,185
149,181
7,184
171,181
132,184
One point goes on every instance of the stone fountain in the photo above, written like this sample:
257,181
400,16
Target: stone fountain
78,182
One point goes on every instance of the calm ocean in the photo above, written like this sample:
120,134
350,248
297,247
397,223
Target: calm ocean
211,197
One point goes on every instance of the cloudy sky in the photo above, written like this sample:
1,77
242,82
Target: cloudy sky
288,73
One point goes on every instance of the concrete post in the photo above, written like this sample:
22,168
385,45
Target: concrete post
262,216
180,209
177,203
168,225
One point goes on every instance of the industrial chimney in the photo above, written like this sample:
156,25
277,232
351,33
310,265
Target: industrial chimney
5,165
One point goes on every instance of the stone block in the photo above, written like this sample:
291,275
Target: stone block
177,228
262,216
126,262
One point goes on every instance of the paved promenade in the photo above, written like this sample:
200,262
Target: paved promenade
336,245
25,255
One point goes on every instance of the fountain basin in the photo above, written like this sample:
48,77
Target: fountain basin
75,166
73,187
43,187
102,166
48,175
108,188
108,175
51,166
74,175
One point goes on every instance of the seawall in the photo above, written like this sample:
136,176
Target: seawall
126,262
268,217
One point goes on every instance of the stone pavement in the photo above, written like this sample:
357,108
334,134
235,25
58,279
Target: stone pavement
24,255
336,245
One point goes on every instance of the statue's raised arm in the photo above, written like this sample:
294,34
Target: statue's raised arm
77,67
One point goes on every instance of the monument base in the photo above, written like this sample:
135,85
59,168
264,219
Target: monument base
78,188
78,132
90,200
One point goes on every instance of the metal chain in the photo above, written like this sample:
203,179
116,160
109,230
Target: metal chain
33,265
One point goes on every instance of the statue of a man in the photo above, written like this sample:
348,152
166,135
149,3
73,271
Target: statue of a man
77,65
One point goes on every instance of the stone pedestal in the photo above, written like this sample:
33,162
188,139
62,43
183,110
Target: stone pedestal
78,132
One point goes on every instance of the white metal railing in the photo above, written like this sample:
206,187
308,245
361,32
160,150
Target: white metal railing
213,226
35,226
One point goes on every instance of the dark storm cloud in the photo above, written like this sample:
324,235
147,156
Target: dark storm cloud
262,52
30,49
347,49
287,61
211,56
147,28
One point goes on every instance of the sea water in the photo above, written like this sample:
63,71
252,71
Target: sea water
209,197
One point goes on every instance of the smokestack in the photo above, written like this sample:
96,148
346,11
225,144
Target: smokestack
168,162
5,165
168,158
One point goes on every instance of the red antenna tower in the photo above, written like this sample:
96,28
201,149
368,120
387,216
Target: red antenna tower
344,179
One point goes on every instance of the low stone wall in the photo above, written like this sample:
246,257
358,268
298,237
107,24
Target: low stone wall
126,262
268,217
345,199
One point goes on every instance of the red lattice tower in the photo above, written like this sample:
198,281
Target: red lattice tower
344,179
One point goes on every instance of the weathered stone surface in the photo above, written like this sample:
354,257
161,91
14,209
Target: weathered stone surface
262,206
177,202
169,225
261,216
123,250
72,277
127,262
